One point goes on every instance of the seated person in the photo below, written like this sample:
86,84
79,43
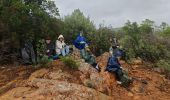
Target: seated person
80,43
61,47
50,48
113,66
114,44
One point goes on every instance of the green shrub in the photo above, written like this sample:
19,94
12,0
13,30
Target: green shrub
45,62
70,62
164,64
141,41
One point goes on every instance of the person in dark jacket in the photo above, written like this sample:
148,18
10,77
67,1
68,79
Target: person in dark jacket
114,44
113,66
50,48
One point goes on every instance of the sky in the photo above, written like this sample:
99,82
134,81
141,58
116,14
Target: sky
117,12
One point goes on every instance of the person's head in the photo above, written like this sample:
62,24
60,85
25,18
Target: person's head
48,40
61,38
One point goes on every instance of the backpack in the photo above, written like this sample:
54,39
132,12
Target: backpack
28,54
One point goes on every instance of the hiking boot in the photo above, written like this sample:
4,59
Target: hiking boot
98,68
118,82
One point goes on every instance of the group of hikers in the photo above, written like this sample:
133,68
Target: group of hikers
54,50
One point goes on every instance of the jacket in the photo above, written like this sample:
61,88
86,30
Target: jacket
80,42
113,64
50,48
59,46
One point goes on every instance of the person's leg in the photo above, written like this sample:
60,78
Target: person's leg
119,74
67,49
96,66
82,53
92,60
63,52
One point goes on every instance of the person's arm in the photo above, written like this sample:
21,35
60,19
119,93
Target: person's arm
64,44
59,45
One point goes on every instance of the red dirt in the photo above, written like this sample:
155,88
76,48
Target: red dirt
157,87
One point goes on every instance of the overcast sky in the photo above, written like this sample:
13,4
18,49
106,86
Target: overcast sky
117,12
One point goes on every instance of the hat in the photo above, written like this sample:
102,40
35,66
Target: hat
61,36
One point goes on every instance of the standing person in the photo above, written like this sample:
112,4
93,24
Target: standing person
80,43
61,47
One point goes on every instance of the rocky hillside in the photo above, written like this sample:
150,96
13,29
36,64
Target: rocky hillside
59,82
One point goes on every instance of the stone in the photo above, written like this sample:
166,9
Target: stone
46,89
130,94
38,74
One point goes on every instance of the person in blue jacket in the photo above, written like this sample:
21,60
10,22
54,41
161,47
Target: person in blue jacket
80,43
113,66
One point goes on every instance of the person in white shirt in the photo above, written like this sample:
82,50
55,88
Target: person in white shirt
61,47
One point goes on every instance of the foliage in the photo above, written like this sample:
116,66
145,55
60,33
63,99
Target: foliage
100,42
70,62
45,62
75,23
142,41
27,19
166,32
163,63
37,19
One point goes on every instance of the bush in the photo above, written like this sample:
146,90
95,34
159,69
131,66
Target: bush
45,62
141,41
70,62
164,64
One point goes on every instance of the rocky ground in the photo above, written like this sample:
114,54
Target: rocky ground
59,82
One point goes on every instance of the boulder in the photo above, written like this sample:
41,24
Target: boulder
45,89
38,74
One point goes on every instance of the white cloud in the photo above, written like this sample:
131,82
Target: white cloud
117,12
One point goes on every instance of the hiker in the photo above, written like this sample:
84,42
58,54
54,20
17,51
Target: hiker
113,66
50,48
61,47
114,44
90,58
80,43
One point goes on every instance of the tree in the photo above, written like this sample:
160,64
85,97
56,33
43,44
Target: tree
77,22
27,19
147,26
101,39
163,26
